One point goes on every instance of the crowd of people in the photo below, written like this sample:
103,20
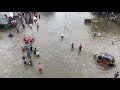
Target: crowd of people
28,42
29,18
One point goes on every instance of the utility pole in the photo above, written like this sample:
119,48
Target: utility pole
65,20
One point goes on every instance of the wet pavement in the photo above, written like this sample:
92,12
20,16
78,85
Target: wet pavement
58,60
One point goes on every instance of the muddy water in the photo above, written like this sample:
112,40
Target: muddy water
56,56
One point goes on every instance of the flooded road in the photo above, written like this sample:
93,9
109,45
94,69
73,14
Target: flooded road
56,56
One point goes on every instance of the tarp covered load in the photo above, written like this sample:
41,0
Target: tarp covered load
4,21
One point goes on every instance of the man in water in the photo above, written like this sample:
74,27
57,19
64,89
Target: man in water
113,17
31,48
25,61
28,53
113,40
72,46
62,36
80,47
30,61
37,26
39,16
116,74
98,34
35,52
17,30
40,67
10,35
95,34
23,26
30,25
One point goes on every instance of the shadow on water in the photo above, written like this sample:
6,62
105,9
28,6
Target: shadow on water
41,72
7,30
3,30
72,49
79,53
103,67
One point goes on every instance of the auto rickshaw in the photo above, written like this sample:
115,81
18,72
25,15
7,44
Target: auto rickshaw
105,59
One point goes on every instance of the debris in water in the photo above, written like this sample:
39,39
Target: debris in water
95,26
84,65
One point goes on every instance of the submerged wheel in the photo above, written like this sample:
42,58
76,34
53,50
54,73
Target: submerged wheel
97,61
112,64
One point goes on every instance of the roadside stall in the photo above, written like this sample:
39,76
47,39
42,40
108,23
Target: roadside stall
4,23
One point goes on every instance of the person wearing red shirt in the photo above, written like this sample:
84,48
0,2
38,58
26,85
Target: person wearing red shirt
40,67
80,47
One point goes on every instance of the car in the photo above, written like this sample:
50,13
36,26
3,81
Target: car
105,59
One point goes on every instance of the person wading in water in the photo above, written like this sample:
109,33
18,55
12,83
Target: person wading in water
72,46
80,47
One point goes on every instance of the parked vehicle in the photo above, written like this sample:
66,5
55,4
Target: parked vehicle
87,21
105,59
6,23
